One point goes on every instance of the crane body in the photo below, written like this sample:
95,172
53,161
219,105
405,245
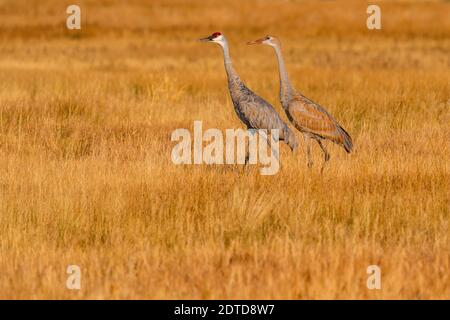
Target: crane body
311,119
251,109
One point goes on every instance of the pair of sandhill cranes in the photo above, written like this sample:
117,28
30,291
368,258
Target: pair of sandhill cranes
312,120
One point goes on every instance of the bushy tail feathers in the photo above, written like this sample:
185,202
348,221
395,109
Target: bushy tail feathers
347,140
290,139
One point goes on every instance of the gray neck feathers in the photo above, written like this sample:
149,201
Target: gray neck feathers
233,77
286,91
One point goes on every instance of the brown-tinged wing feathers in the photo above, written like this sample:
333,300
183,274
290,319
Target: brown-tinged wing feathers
311,117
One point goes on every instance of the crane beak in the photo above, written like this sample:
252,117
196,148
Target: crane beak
207,39
258,41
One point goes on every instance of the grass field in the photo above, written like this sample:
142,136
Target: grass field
86,176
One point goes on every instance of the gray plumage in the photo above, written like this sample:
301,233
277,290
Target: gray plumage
252,110
311,119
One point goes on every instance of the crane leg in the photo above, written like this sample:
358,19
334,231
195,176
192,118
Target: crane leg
273,151
247,156
308,151
325,152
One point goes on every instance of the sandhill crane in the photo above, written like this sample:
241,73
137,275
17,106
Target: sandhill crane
252,110
311,119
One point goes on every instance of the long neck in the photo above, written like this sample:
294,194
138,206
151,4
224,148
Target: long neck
286,90
233,77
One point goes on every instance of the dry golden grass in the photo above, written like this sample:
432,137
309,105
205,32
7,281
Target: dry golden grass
86,176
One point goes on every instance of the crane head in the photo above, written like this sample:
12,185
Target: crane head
216,37
267,40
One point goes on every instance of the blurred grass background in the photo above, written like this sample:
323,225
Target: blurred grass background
86,176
